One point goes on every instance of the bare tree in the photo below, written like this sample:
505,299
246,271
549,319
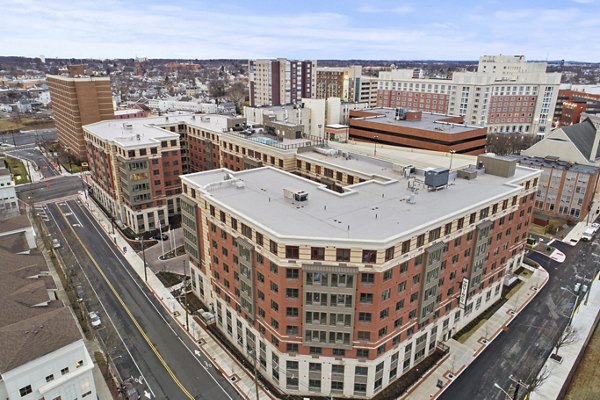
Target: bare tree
237,94
536,382
216,89
569,336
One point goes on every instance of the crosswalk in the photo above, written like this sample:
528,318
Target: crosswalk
57,200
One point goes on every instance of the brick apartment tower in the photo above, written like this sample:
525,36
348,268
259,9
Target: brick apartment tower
78,100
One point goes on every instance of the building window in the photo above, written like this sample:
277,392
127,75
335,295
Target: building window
24,391
64,371
317,253
367,278
405,246
292,252
273,247
259,239
369,256
389,253
247,231
342,255
291,273
50,378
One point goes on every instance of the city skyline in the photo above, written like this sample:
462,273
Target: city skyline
384,30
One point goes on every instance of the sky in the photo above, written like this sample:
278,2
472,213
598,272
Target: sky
307,29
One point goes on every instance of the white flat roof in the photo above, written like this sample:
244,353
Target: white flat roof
372,212
140,132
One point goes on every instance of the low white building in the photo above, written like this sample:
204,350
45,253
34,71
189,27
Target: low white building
9,206
176,105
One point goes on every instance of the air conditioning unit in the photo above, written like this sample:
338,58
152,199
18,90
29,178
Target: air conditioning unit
295,194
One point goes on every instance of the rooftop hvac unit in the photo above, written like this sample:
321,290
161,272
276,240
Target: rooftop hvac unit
437,178
127,125
295,194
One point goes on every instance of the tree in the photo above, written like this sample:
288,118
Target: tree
237,94
569,336
216,89
536,382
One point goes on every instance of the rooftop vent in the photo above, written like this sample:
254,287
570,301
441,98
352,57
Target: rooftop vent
127,125
295,194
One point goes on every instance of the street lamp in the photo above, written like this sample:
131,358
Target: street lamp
375,145
144,258
503,391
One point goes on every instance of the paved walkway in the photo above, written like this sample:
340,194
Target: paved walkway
584,321
463,354
222,361
580,227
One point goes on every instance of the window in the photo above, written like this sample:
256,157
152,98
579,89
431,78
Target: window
64,371
259,239
389,253
405,246
292,348
291,273
50,378
291,311
367,278
317,253
364,317
292,252
460,224
366,297
361,371
342,255
24,391
273,247
369,256
292,293
364,335
420,240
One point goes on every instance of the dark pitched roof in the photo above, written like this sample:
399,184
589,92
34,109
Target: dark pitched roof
15,223
582,135
35,337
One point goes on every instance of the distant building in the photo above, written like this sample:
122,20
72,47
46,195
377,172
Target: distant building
130,113
77,101
571,104
505,94
9,205
281,81
42,354
368,90
416,129
342,82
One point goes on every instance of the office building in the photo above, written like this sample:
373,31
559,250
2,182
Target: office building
78,100
417,129
340,294
341,82
505,94
280,81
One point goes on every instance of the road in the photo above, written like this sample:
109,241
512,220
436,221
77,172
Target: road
29,137
153,347
33,154
524,348
48,190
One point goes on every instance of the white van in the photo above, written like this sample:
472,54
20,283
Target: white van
588,235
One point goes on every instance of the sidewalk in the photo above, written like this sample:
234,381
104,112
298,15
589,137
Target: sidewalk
584,321
580,227
463,354
222,361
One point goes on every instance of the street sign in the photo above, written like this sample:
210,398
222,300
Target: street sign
464,290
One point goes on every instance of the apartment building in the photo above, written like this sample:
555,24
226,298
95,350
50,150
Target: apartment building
571,104
505,94
368,90
341,82
417,129
135,167
339,293
78,100
281,81
565,190
42,354
9,206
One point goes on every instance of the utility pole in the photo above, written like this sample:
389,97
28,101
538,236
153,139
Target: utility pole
255,372
144,259
185,304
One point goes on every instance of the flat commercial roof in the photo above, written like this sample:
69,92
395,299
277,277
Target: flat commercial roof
372,211
429,121
138,132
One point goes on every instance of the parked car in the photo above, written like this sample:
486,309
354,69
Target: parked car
595,226
55,243
129,391
95,319
588,235
159,236
80,292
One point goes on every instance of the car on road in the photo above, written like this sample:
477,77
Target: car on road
55,243
129,391
588,235
159,236
595,226
95,319
80,292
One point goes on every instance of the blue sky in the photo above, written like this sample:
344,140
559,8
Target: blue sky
325,29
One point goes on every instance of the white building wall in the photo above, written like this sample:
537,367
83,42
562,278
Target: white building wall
76,383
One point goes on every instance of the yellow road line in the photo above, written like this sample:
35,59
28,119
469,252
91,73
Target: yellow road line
135,322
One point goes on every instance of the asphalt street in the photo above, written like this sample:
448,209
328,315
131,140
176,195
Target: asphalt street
521,351
28,137
153,349
48,190
34,155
